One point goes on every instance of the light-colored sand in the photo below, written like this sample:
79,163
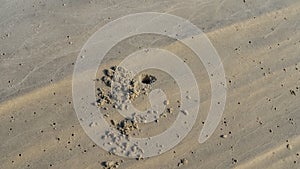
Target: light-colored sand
258,42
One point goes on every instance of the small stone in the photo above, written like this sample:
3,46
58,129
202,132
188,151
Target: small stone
224,136
166,102
293,92
148,79
109,72
113,122
288,146
164,115
183,162
234,161
170,110
107,81
110,164
185,112
93,124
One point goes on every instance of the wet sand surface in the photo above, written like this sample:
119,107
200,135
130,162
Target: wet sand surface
258,42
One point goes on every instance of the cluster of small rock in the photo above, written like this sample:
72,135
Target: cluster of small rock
110,164
127,125
124,88
120,144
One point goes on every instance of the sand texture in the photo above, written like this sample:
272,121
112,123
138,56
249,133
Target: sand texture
257,41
